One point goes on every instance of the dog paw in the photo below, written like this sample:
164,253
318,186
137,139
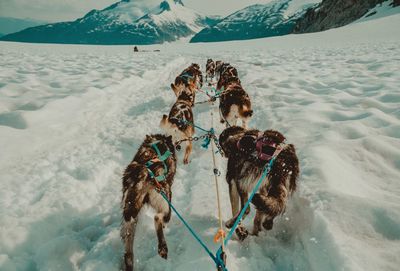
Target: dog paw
268,224
254,232
242,233
230,222
163,251
186,161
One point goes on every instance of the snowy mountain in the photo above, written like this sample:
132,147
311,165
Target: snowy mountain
335,13
125,22
273,19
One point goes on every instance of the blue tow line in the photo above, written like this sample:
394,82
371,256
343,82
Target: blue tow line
214,258
239,218
218,257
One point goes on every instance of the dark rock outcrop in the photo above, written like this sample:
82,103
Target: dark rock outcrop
333,13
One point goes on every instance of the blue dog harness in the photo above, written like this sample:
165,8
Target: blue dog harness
160,158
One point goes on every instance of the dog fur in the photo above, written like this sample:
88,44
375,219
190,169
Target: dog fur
138,189
191,78
210,69
177,123
244,170
234,103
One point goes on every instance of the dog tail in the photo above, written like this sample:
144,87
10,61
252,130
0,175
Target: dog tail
164,121
294,167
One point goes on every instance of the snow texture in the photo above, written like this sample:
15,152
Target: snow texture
71,118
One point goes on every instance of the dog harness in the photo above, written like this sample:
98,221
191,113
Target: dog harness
160,158
265,148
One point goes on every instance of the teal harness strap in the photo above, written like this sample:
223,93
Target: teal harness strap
265,173
162,158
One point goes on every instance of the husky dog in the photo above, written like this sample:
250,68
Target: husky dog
218,68
179,122
139,188
227,73
210,69
234,101
191,78
248,152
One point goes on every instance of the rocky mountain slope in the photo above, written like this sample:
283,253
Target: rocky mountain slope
273,19
334,13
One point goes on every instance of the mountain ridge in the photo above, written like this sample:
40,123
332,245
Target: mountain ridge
256,21
124,22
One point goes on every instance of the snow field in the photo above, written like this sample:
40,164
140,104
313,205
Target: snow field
72,117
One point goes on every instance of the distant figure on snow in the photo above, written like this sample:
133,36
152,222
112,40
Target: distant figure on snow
135,49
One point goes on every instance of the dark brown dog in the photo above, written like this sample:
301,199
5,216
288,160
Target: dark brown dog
218,68
234,101
210,69
179,122
139,188
245,168
191,78
227,74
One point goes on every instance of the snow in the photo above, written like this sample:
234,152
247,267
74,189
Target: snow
178,13
296,6
129,12
72,117
381,10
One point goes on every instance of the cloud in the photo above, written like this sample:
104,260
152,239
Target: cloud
50,10
221,7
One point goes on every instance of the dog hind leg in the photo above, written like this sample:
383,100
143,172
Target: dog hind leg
188,151
128,235
258,219
163,215
234,197
162,244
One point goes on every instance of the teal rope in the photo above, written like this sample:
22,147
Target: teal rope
239,218
216,260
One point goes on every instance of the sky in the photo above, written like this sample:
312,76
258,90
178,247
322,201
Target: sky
64,10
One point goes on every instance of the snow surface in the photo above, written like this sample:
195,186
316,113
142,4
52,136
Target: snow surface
296,6
72,117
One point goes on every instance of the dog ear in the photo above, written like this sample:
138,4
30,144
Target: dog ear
174,88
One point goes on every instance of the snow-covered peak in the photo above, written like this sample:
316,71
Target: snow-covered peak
298,6
174,11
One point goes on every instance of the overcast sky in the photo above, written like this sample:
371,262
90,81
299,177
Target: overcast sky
63,10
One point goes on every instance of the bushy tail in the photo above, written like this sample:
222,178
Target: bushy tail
294,166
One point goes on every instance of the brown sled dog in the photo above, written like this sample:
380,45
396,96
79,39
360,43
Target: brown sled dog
139,188
179,121
210,69
234,101
247,158
191,78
